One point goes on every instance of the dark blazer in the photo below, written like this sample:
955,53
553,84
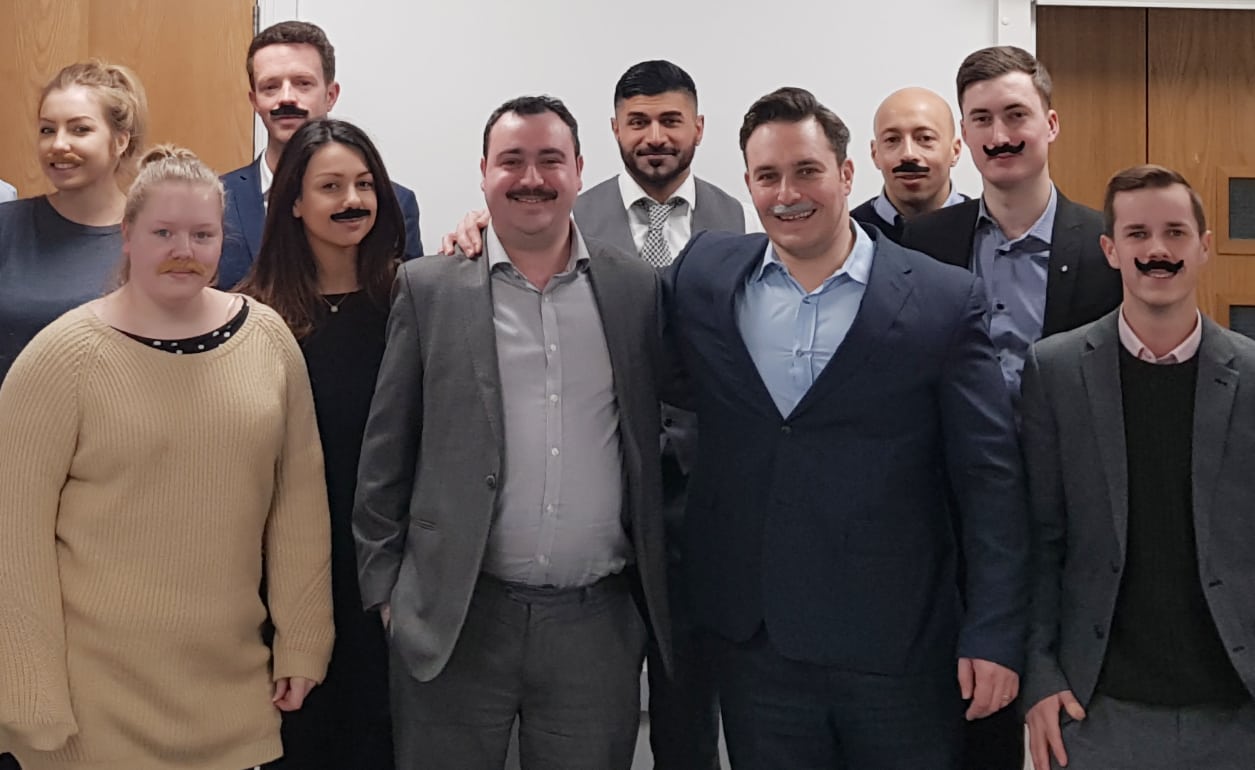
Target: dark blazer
831,525
1081,286
245,218
434,445
1074,446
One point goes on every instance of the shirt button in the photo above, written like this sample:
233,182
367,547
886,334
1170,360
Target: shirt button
798,353
1001,306
786,430
552,347
490,481
553,398
549,508
554,451
542,560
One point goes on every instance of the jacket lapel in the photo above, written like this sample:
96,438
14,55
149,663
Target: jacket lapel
1063,266
728,286
481,340
250,205
1213,407
886,292
1100,372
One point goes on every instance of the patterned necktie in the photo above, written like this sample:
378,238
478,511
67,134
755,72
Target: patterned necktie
655,251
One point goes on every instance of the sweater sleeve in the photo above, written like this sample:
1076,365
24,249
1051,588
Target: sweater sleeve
39,423
298,532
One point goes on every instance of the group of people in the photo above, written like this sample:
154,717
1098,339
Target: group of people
276,493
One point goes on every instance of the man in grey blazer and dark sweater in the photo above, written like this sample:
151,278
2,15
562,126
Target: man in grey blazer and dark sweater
653,209
1141,458
508,513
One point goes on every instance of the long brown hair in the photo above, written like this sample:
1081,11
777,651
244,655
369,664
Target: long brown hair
285,275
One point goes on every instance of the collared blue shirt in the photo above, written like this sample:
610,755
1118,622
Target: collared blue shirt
791,335
885,209
1014,273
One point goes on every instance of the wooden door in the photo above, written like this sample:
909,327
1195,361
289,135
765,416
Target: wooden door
189,54
1167,86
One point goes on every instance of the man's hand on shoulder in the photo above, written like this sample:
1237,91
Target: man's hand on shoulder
468,236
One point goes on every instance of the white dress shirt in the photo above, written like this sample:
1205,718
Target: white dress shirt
679,226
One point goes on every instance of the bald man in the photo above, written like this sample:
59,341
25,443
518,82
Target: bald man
914,147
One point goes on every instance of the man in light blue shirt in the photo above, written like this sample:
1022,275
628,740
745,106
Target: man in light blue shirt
7,192
792,333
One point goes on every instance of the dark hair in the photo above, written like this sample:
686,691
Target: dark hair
1147,177
294,33
794,105
534,105
284,275
653,77
999,60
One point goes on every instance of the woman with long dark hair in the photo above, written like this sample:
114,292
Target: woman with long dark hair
334,234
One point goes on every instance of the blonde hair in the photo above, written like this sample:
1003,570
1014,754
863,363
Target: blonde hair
121,95
166,163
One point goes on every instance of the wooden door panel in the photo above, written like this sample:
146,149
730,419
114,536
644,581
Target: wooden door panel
1200,110
1097,58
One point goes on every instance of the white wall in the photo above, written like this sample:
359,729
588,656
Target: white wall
421,76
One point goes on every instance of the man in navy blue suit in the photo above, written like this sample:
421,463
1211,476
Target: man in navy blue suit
292,79
845,387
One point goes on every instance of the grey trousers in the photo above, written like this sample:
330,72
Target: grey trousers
565,663
1121,735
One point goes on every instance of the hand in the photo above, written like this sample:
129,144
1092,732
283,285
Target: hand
467,236
385,614
290,692
1044,735
988,685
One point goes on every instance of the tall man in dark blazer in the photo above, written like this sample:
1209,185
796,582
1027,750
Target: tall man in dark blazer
1141,457
1036,251
509,497
843,383
292,79
913,147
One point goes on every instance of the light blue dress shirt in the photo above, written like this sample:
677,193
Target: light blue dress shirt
1014,273
792,335
885,209
7,192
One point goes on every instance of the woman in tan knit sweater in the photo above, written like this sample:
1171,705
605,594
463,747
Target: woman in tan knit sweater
158,451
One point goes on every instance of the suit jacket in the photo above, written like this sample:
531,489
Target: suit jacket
1074,446
1080,287
831,525
600,213
245,218
431,460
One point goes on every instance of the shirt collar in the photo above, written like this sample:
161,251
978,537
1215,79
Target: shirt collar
497,256
858,265
265,177
631,192
1178,355
1041,230
885,209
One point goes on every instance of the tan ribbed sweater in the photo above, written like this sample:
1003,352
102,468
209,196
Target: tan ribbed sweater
141,492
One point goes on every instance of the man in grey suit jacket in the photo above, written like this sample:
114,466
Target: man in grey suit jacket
653,209
509,496
1136,432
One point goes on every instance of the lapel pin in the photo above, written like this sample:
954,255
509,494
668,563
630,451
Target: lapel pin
1063,269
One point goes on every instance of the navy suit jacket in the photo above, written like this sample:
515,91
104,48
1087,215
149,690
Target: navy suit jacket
831,525
245,218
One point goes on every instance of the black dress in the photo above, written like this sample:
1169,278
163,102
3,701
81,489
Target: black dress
344,723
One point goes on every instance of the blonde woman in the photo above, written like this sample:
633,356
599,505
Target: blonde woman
158,453
59,250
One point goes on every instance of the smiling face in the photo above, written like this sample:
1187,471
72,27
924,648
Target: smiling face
173,244
1157,247
290,89
531,176
1009,128
337,204
799,187
914,148
77,149
658,136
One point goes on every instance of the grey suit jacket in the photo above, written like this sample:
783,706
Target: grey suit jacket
1073,435
431,458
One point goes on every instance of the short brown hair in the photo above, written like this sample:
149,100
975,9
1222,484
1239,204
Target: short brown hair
999,60
794,105
294,33
1147,177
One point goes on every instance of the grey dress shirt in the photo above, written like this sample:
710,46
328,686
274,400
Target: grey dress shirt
558,519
